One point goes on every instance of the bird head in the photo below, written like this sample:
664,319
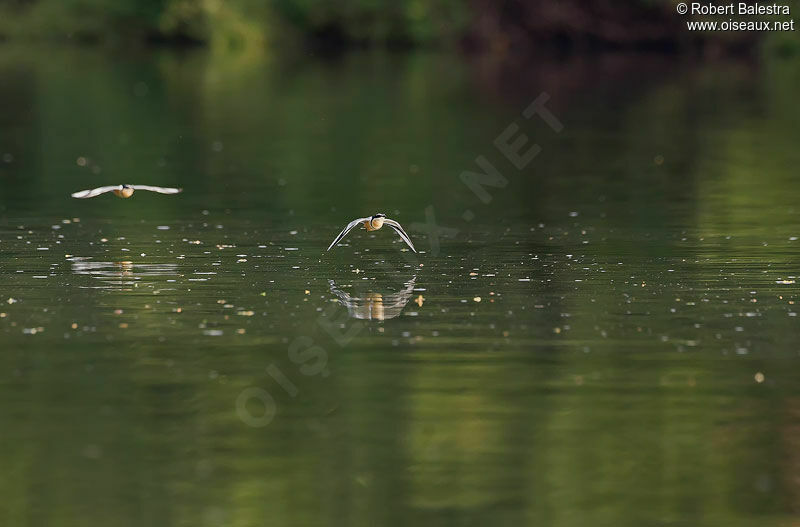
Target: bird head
379,215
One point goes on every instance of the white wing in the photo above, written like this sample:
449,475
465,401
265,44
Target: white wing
399,230
95,192
346,230
160,190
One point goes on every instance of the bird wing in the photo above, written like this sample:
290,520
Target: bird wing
346,230
399,230
95,192
160,190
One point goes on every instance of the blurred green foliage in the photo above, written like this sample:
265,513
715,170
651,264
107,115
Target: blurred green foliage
113,21
81,19
233,21
378,20
511,26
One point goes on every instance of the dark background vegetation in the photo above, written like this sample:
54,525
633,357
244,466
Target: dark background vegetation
510,27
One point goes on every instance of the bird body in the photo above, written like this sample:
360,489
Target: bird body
123,191
373,223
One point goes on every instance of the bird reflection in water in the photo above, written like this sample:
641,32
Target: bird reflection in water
120,274
372,305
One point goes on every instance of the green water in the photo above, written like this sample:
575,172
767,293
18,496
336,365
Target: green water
610,340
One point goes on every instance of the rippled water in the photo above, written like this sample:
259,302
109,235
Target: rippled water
610,340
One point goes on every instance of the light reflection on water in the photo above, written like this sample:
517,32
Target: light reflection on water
121,274
373,305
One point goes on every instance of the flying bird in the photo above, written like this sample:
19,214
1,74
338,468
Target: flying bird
123,191
373,223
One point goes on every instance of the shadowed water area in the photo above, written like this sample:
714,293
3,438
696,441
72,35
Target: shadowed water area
611,339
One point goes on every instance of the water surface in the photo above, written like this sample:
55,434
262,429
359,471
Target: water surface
610,340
